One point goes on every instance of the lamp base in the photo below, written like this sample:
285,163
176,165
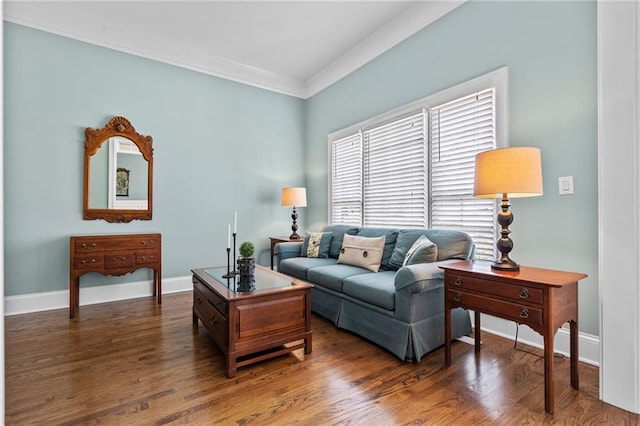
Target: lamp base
505,265
295,236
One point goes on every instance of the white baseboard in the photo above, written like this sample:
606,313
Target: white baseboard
588,345
37,302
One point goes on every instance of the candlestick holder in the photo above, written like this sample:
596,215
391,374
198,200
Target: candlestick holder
229,274
235,256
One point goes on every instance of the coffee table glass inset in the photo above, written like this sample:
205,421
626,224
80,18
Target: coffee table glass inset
263,280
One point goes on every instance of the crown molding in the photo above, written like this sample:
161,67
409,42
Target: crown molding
412,20
84,27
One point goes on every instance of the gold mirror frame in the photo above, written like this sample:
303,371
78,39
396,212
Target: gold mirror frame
117,126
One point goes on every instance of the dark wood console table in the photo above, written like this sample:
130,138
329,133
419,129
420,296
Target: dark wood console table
115,254
543,299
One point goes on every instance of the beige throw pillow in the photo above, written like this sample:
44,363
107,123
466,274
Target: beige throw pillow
362,251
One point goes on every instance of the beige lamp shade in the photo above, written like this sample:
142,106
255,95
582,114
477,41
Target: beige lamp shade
294,197
515,171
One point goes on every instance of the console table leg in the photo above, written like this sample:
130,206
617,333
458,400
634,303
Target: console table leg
72,298
447,336
157,285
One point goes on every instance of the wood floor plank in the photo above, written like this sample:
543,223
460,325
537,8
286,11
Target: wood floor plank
137,363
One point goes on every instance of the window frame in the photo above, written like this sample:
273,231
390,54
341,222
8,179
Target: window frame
497,79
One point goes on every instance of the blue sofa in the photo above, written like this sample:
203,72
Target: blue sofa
400,308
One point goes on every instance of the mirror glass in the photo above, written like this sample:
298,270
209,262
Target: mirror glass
118,176
118,173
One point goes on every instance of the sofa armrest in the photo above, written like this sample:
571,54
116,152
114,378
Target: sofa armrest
421,277
286,250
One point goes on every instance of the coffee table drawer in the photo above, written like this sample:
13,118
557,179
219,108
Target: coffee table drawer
211,318
211,297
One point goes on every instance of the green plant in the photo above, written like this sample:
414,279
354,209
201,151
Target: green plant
247,249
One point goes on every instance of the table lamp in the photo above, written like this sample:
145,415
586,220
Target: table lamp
294,197
507,173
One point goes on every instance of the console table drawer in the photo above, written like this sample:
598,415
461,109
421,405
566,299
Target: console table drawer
88,261
211,318
147,256
503,309
210,296
118,260
513,292
98,244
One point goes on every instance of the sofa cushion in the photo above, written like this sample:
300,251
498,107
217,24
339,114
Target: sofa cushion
422,251
362,251
390,242
298,266
404,241
316,244
332,276
338,232
377,289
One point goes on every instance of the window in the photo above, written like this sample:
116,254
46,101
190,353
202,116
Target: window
414,167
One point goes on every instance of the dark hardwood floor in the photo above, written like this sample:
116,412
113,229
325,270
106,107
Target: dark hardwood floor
137,363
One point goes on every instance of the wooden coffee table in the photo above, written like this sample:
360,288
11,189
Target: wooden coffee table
248,327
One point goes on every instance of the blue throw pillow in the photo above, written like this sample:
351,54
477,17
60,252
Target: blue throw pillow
406,238
316,244
422,251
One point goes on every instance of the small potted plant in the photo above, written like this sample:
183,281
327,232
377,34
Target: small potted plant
246,266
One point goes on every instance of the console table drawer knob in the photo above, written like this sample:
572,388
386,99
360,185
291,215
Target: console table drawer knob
524,294
524,313
458,281
119,258
214,321
91,262
199,301
457,297
85,245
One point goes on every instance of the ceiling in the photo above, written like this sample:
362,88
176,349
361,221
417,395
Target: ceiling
292,47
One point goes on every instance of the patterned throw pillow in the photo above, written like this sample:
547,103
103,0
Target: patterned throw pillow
422,251
365,252
316,244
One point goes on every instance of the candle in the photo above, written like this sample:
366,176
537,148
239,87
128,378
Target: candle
235,222
228,236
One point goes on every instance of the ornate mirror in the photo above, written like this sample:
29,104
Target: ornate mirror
118,173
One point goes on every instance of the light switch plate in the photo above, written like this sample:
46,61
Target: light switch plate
565,185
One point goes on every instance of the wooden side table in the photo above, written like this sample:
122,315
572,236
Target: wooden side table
276,240
543,299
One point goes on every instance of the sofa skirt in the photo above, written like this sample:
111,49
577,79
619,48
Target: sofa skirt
406,341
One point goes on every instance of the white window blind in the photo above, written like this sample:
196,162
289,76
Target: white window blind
414,166
459,130
346,180
395,173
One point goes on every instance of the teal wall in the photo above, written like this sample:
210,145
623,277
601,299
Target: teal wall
550,51
222,146
219,147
